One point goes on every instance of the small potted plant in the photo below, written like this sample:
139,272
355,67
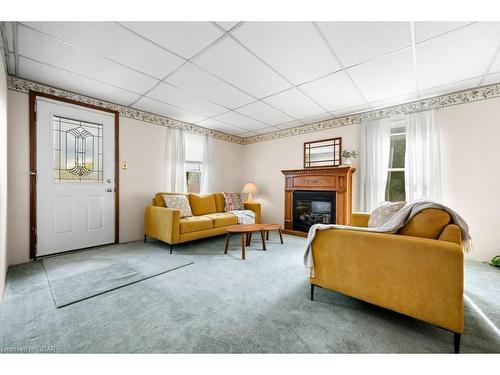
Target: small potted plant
495,261
348,155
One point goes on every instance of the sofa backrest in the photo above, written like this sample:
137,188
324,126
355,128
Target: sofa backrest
219,200
428,223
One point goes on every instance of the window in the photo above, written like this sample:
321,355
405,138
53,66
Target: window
194,156
395,186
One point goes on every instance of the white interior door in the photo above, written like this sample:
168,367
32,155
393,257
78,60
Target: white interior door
75,189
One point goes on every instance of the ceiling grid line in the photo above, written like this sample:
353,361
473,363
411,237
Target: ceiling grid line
414,56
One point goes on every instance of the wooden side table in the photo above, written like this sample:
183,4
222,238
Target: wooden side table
246,231
269,227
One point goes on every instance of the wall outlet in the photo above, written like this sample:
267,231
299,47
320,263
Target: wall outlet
124,165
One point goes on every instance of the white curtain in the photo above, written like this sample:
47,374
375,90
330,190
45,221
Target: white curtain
176,153
422,160
207,172
374,161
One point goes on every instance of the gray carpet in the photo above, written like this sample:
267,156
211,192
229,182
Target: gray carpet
221,304
86,274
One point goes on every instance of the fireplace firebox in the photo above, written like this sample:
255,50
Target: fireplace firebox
313,207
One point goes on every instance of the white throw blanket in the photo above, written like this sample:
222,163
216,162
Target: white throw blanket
396,221
244,216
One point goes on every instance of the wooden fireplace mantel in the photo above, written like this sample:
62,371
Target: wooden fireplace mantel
338,179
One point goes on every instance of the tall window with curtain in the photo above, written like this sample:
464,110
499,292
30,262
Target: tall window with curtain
198,164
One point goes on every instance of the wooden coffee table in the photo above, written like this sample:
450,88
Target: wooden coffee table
245,230
268,227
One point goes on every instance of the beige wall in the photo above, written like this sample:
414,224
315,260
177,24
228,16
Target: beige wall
3,176
265,160
141,146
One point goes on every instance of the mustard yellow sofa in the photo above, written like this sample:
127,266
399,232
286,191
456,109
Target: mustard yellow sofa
209,218
417,272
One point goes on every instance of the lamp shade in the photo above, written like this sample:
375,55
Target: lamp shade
250,188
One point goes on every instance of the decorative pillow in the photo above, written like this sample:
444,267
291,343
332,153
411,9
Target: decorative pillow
380,215
179,202
202,204
233,202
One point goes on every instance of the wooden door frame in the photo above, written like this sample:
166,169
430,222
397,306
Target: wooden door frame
33,95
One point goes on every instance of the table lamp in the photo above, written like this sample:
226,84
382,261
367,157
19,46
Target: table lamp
250,189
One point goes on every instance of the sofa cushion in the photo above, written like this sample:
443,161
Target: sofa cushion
202,204
222,219
179,202
428,223
219,202
233,202
195,224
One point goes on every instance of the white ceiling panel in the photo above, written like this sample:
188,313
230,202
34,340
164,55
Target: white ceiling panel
154,106
247,134
395,100
495,66
183,38
334,92
228,60
226,25
458,55
491,79
266,130
9,35
172,95
457,86
294,103
221,126
385,77
264,113
316,118
351,110
355,42
114,42
198,81
234,118
51,76
294,49
427,30
290,124
43,48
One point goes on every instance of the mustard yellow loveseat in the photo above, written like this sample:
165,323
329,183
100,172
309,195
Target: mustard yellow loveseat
209,218
416,272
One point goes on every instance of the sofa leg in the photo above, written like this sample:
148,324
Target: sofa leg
312,292
171,247
145,238
456,342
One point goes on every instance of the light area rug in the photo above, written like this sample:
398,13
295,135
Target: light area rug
85,274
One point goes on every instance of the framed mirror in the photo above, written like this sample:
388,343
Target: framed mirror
323,153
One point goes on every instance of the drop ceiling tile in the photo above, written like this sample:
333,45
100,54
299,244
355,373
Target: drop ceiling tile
183,38
51,76
264,113
221,126
172,95
317,118
426,30
290,124
266,130
491,79
200,82
495,66
400,99
333,92
385,77
355,42
167,110
45,49
114,42
248,134
230,61
236,119
226,25
295,49
446,89
457,56
9,35
351,110
294,103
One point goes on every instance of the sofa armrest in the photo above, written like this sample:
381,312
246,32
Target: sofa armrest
419,277
360,219
162,223
255,207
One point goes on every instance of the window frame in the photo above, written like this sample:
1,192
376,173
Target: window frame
396,124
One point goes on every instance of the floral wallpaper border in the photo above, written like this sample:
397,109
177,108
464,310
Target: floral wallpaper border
455,98
23,85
